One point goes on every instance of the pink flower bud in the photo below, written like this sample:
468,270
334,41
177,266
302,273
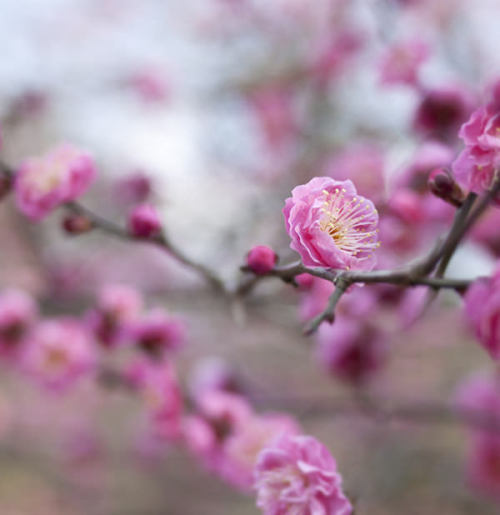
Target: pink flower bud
144,221
444,186
261,259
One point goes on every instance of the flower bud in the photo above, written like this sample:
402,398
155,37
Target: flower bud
144,221
77,224
443,185
261,259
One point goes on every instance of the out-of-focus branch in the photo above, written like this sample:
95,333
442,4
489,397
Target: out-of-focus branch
386,411
161,240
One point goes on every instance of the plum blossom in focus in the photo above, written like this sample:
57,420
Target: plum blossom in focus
331,225
297,474
43,183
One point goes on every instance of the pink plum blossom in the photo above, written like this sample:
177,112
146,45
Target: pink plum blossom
477,164
218,414
59,352
333,53
158,332
273,108
480,395
43,183
442,110
482,307
160,389
133,189
215,374
350,349
117,305
401,62
18,313
226,435
297,474
243,446
331,225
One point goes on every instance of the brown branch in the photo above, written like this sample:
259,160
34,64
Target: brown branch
328,314
162,240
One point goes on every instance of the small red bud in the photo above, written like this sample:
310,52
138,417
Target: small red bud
261,259
77,224
443,185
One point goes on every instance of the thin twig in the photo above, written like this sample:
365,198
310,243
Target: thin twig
328,314
385,411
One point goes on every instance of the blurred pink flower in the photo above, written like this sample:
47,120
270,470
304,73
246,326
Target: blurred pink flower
18,313
297,474
117,305
442,110
160,389
59,352
401,62
273,108
364,164
149,85
351,350
334,53
217,415
157,332
216,374
483,465
243,446
43,183
482,307
133,189
331,225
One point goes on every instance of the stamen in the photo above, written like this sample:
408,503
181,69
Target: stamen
350,224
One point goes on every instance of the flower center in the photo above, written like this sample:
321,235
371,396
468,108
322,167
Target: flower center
350,222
